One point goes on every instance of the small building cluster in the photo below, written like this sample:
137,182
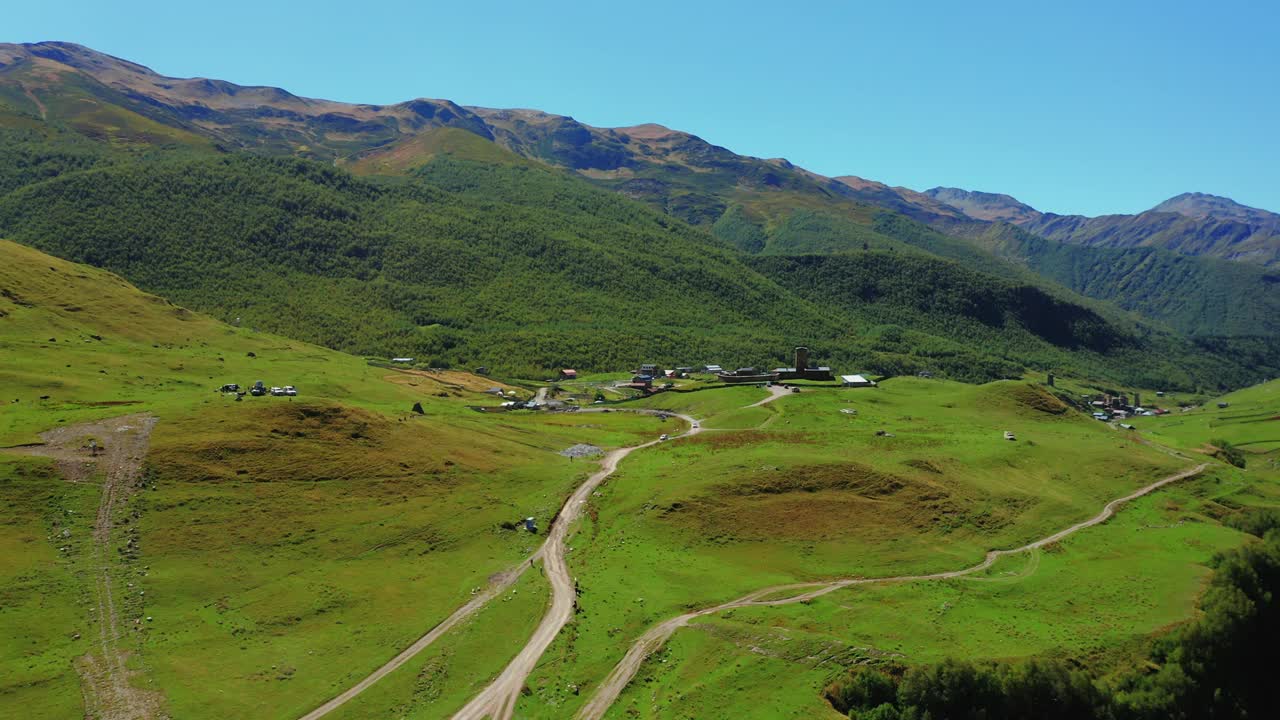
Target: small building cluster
1107,407
802,370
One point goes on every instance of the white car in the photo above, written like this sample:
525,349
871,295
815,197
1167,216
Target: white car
290,390
665,437
277,391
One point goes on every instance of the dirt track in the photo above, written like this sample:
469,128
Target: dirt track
105,675
498,700
652,640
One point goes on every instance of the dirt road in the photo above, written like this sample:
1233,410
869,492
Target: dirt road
656,636
775,392
105,677
498,700
500,694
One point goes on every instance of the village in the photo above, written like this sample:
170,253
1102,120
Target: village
652,378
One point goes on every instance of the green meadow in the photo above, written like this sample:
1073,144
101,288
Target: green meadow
916,476
288,546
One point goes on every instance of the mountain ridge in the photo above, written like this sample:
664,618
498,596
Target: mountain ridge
1191,223
755,205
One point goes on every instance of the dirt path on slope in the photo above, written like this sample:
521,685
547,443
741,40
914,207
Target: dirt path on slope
122,445
775,392
655,637
501,695
498,700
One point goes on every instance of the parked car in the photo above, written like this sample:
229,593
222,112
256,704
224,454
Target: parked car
290,390
229,388
277,391
258,389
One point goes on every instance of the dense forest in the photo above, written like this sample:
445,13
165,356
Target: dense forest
1217,666
523,268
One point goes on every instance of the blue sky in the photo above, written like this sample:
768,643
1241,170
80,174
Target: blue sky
1082,107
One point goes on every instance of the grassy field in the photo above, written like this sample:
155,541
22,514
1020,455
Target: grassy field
45,525
1085,598
818,493
1251,421
288,546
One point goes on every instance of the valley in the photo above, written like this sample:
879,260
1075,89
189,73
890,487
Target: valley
322,409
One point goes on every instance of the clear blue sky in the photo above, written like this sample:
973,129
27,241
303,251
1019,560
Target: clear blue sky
1085,106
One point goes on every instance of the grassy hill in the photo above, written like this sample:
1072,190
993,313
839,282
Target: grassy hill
799,491
280,547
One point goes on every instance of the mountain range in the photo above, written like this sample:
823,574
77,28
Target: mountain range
435,227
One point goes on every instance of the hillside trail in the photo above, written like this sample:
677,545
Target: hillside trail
504,690
498,700
775,392
652,640
122,443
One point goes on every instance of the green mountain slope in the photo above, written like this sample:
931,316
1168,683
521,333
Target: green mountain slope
507,265
756,205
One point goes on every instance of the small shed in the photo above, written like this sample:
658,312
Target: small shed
568,374
855,381
402,360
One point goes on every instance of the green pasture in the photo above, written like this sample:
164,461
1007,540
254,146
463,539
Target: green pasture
818,493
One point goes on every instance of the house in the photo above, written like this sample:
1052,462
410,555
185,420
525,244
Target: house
747,375
650,369
642,380
715,369
855,381
567,374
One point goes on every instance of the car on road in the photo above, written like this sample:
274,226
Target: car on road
277,391
665,437
290,390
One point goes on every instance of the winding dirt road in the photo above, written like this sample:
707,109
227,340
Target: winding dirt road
498,700
501,695
105,676
652,640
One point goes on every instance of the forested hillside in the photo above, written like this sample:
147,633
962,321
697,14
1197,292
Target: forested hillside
523,268
756,205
